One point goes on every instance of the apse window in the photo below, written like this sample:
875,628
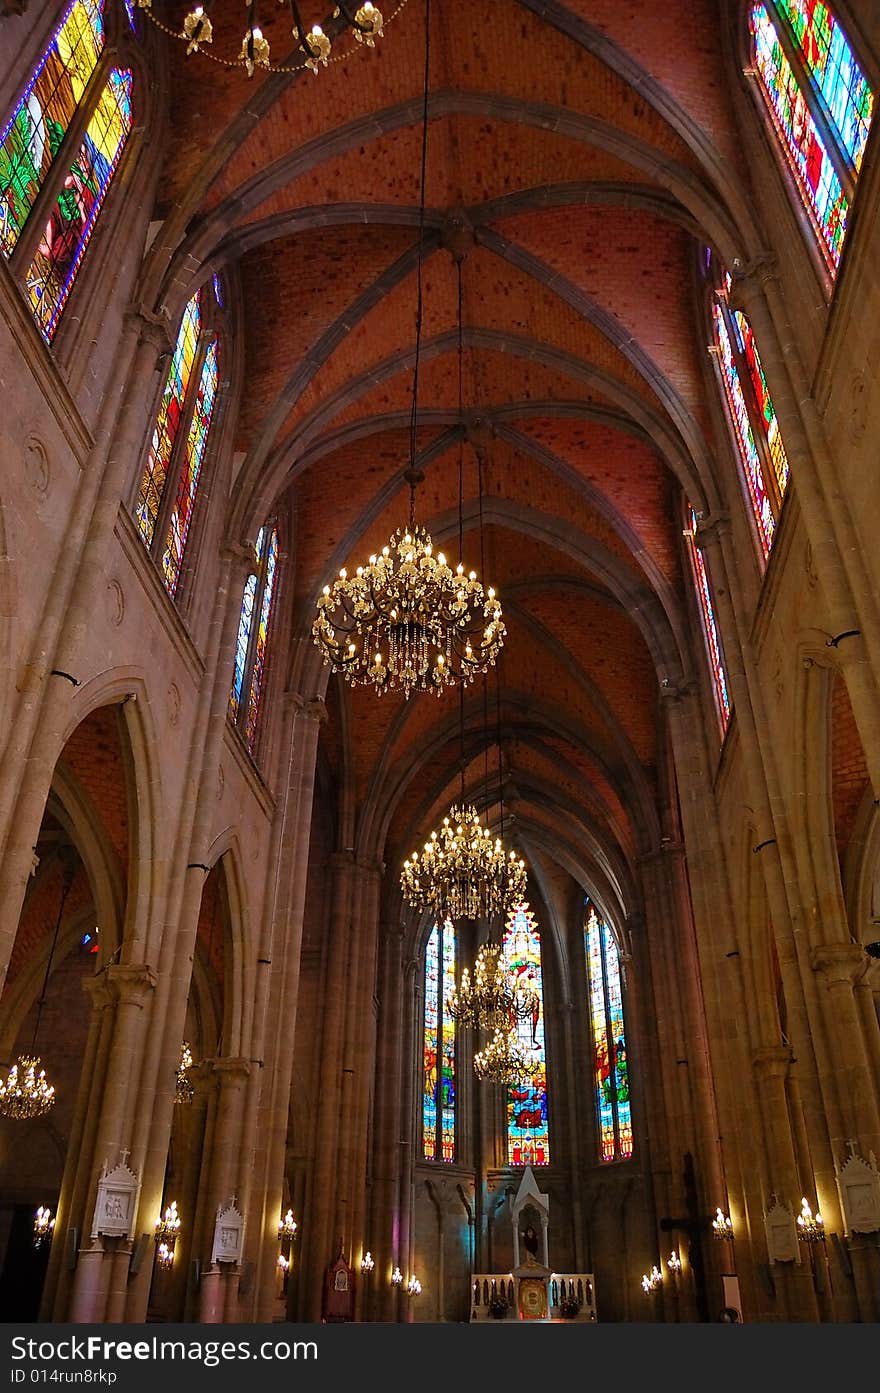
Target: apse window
611,1067
438,1047
819,105
59,151
528,1134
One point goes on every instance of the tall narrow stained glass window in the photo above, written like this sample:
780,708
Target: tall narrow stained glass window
820,106
759,441
40,148
710,628
438,1051
609,1039
253,636
177,449
528,1136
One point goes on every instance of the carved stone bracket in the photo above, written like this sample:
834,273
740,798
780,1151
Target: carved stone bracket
840,962
131,983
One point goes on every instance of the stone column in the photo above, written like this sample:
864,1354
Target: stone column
101,1274
387,1124
283,947
842,965
221,1162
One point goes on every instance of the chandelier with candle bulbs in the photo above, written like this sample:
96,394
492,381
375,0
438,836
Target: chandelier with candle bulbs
504,1060
312,45
462,871
25,1092
491,999
407,621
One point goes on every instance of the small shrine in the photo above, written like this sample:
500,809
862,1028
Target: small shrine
532,1290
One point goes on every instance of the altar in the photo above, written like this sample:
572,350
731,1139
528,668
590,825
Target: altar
532,1290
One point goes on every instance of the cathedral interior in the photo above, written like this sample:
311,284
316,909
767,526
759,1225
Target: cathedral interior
533,344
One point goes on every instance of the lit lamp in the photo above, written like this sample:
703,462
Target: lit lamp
44,1223
652,1280
413,1286
673,1262
811,1227
287,1225
721,1225
166,1231
283,1264
396,1277
367,1263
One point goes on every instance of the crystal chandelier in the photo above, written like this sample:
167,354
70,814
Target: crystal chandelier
407,621
183,1088
463,873
721,1225
503,1060
311,44
491,999
25,1093
652,1281
44,1223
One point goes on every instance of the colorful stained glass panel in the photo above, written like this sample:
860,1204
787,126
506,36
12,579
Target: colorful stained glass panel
618,1066
430,1043
256,686
168,420
837,76
32,136
528,1136
807,155
197,439
447,1053
599,1024
754,474
716,662
74,214
762,396
242,643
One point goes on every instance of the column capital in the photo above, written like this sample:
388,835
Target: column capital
238,555
130,983
231,1067
152,328
677,689
749,277
711,529
772,1062
839,962
98,989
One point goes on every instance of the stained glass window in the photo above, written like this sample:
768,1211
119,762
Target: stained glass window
528,1136
32,136
438,1054
74,214
188,400
756,428
815,91
710,628
250,647
611,1069
193,455
35,150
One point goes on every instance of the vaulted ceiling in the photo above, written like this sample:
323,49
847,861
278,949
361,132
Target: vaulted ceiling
579,159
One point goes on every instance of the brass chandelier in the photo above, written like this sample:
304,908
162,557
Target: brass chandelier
462,872
491,999
26,1092
366,23
503,1059
408,621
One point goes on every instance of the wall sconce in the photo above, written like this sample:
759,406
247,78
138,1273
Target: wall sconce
165,1255
167,1229
721,1225
287,1226
367,1263
396,1277
283,1264
811,1228
44,1223
673,1262
413,1286
652,1280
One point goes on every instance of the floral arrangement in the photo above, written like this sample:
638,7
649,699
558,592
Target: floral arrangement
498,1305
569,1306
